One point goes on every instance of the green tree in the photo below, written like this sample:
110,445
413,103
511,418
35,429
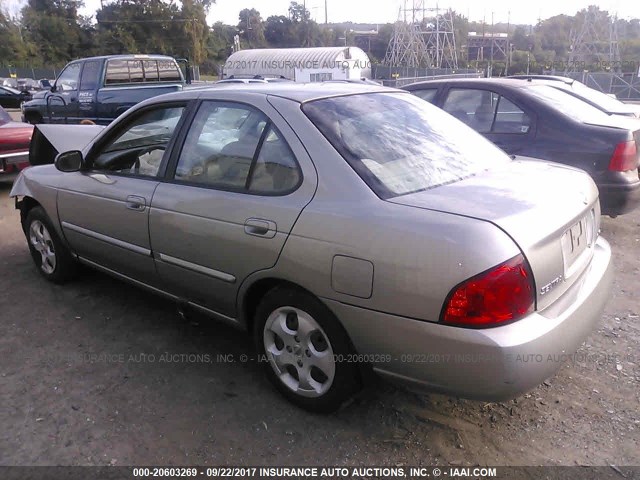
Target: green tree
53,27
13,48
280,32
251,28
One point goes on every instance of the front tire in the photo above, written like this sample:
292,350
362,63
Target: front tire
33,118
50,255
306,350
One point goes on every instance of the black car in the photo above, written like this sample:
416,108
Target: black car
539,121
12,98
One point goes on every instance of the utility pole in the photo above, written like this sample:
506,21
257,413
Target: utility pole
326,13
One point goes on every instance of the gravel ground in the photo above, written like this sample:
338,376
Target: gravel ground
79,386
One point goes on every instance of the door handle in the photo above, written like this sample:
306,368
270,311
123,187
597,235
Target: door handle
260,228
136,203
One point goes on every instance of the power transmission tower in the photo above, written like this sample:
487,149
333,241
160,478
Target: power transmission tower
423,37
408,47
594,40
441,40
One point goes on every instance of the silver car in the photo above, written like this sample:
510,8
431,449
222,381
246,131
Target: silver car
345,227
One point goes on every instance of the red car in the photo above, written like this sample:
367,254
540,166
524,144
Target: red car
14,143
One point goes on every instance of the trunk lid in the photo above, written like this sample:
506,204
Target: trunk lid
551,211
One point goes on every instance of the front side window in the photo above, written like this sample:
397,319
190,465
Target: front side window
236,147
399,144
139,148
69,78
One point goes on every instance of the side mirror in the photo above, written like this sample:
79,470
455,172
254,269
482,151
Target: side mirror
69,161
53,88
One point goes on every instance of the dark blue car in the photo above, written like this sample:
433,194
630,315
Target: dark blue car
539,121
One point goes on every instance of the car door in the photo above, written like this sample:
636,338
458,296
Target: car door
104,209
89,81
230,202
495,116
62,104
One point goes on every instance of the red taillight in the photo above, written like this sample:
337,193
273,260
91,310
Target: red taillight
625,157
503,294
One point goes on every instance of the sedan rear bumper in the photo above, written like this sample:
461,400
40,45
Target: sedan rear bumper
490,364
618,199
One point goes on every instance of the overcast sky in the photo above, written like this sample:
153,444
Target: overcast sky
383,11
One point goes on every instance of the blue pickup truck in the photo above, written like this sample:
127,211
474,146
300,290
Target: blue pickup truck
101,88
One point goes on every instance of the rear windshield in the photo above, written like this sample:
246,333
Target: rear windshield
567,104
601,99
400,144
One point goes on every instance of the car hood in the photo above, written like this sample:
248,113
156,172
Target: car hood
39,94
534,202
49,140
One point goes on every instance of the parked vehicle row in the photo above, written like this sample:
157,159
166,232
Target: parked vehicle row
345,227
25,84
532,119
13,98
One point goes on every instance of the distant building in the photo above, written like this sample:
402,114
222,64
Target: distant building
487,46
300,64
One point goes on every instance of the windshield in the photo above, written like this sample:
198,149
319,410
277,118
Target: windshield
566,103
400,144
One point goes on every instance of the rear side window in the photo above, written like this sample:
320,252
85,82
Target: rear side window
236,147
399,144
168,71
135,71
150,70
427,94
89,79
117,72
138,71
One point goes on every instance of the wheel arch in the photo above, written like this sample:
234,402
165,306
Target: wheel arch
251,294
25,205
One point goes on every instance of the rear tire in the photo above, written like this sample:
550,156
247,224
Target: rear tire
50,255
305,350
